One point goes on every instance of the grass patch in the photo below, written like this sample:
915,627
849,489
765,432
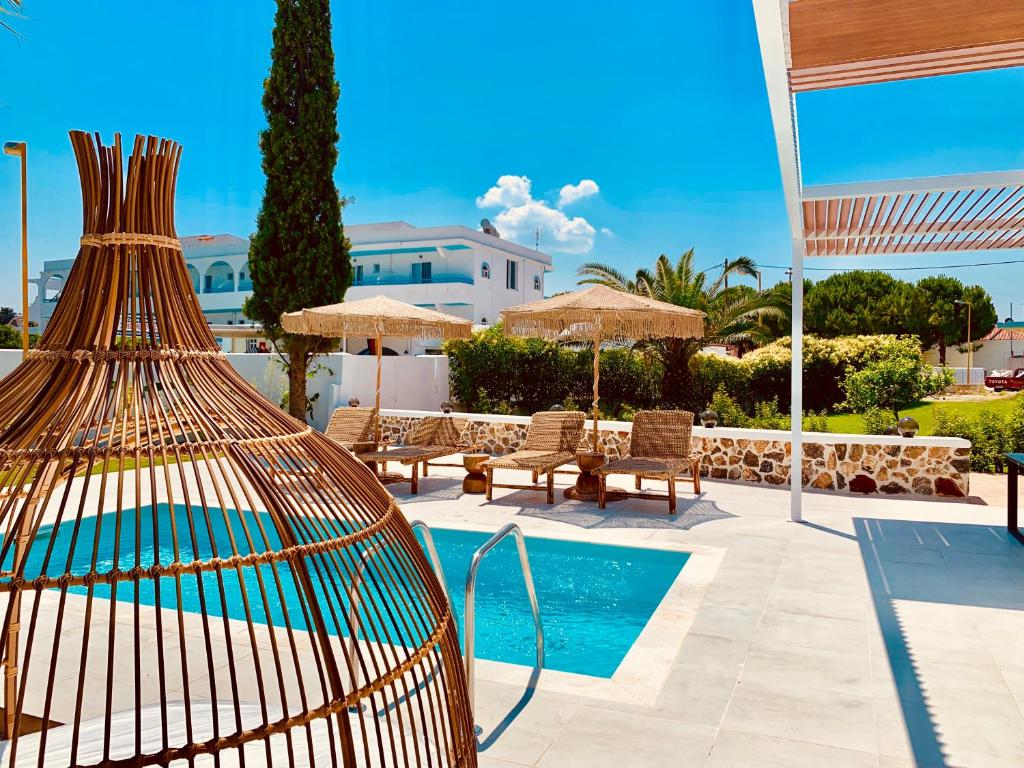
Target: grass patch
924,414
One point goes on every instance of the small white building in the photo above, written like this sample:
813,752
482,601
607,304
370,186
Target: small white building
453,269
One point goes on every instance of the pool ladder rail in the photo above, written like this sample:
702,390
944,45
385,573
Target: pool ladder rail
470,610
470,639
353,593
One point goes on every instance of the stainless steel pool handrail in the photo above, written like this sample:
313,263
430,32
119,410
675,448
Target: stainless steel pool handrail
524,561
428,540
353,593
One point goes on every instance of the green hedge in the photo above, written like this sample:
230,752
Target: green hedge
992,434
763,375
492,373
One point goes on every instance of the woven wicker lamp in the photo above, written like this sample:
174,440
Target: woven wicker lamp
182,561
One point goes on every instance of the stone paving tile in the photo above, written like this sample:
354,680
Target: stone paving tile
734,749
781,667
483,761
599,738
712,653
695,696
928,732
821,717
738,622
526,732
779,630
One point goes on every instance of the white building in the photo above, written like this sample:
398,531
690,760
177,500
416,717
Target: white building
454,269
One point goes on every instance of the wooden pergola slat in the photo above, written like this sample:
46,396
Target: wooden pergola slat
859,220
836,43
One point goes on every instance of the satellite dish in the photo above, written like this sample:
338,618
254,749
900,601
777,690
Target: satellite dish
488,228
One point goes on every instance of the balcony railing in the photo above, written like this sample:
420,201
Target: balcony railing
391,279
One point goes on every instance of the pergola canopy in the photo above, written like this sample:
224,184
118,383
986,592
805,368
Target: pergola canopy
977,212
835,43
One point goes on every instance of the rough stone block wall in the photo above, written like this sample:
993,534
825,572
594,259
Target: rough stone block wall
840,466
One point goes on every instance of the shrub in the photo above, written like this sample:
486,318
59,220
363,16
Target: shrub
768,416
711,372
816,422
895,380
988,437
991,435
877,420
10,337
492,373
730,414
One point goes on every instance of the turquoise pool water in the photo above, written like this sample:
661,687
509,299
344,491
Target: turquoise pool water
595,600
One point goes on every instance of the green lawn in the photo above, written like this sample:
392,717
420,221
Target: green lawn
924,413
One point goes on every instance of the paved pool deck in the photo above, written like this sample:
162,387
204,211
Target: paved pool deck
883,631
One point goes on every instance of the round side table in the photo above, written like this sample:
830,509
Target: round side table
587,482
475,480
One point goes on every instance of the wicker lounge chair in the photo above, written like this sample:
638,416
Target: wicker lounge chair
659,449
350,426
429,438
551,441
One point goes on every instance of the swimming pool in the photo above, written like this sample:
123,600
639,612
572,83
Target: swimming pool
594,599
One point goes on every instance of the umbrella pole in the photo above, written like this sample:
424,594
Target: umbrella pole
597,376
376,406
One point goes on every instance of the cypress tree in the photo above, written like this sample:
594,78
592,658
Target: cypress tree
298,256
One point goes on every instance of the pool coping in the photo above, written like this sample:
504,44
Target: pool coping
642,673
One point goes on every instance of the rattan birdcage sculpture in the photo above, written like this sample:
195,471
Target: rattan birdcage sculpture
191,576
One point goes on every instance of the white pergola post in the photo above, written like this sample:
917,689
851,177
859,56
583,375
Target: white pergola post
771,16
796,387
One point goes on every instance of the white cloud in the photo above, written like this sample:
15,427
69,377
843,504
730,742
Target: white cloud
607,232
570,193
521,215
508,192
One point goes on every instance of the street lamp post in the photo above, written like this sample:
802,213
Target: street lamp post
20,149
970,350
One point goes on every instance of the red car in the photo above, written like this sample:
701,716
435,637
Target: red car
1000,380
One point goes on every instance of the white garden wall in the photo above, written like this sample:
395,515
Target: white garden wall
417,383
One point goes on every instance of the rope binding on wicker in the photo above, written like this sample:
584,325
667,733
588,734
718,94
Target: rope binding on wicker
130,238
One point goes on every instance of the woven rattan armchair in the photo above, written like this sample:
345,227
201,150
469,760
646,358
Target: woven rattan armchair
659,449
351,426
429,438
551,442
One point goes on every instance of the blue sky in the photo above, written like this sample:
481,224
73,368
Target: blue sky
660,104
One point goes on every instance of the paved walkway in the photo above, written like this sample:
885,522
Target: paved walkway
883,632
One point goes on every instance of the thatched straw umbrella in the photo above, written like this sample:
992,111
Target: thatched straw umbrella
600,314
376,318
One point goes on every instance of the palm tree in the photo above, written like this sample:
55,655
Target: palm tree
734,314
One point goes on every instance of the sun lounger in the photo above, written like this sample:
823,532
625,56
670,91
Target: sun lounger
351,426
429,438
659,449
552,440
